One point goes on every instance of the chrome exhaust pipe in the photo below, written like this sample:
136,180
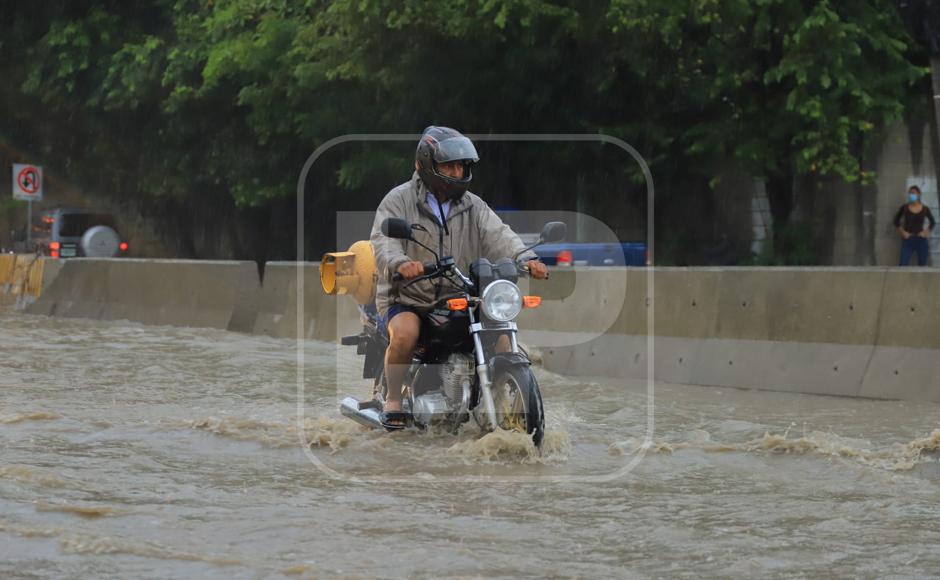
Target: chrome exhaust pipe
362,413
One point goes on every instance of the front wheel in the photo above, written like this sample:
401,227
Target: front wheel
518,402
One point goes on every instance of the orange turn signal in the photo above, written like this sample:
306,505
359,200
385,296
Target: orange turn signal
457,304
531,301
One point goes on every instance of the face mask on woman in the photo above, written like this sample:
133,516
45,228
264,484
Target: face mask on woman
913,197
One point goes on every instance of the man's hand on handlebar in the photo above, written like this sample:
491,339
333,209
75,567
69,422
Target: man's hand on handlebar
410,270
537,269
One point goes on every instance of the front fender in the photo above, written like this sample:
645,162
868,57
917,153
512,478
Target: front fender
506,359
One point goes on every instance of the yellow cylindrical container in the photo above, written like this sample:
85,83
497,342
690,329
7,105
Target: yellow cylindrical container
351,272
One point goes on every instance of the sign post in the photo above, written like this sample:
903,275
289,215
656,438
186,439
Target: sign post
27,186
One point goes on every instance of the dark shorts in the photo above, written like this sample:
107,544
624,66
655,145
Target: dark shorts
396,309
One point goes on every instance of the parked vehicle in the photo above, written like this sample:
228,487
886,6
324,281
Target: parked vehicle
71,233
594,254
577,252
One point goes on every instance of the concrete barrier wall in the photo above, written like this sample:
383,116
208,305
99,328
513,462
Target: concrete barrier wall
170,292
871,332
835,331
315,316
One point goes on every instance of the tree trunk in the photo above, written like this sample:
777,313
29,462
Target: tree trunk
780,195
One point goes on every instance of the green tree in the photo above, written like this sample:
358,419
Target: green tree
183,99
786,87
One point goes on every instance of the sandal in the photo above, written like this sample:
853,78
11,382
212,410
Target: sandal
394,420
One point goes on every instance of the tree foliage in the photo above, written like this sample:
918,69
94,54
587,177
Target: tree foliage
184,96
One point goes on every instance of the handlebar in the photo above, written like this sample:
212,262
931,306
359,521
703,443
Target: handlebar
431,269
523,268
427,266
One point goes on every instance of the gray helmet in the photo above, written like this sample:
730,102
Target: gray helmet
445,145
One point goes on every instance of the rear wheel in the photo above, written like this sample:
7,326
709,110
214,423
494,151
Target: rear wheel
519,403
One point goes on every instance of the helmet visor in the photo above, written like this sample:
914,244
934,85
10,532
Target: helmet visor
455,149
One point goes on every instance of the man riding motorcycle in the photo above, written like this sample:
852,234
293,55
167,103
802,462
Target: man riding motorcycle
451,219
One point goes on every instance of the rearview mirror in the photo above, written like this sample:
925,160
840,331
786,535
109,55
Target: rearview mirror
553,232
396,228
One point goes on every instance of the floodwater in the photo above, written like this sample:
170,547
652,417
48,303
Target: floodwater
135,451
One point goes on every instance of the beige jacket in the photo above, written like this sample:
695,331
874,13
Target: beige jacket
474,231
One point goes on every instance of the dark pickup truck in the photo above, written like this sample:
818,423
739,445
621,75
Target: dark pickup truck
608,252
594,254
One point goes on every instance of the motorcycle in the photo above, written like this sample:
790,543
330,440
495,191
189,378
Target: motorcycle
457,371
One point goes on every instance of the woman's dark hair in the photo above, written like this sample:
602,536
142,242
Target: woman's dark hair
915,188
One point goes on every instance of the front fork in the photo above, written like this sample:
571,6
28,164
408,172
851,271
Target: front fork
489,406
483,370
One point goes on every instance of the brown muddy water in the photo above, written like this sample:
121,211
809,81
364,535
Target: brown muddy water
135,451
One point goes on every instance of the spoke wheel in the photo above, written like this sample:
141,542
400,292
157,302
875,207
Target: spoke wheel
519,403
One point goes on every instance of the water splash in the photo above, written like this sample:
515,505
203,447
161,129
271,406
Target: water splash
317,432
513,447
330,432
898,457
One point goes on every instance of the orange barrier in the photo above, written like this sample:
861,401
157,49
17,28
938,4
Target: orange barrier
27,275
21,275
7,265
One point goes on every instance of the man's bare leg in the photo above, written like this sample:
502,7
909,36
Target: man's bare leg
403,330
502,343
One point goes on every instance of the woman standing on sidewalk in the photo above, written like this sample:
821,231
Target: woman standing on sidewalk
910,223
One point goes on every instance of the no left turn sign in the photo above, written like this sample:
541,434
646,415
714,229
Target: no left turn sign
27,182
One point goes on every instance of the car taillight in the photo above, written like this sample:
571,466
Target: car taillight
54,254
54,246
564,258
123,246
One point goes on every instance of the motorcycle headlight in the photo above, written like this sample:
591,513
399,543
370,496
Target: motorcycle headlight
502,301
